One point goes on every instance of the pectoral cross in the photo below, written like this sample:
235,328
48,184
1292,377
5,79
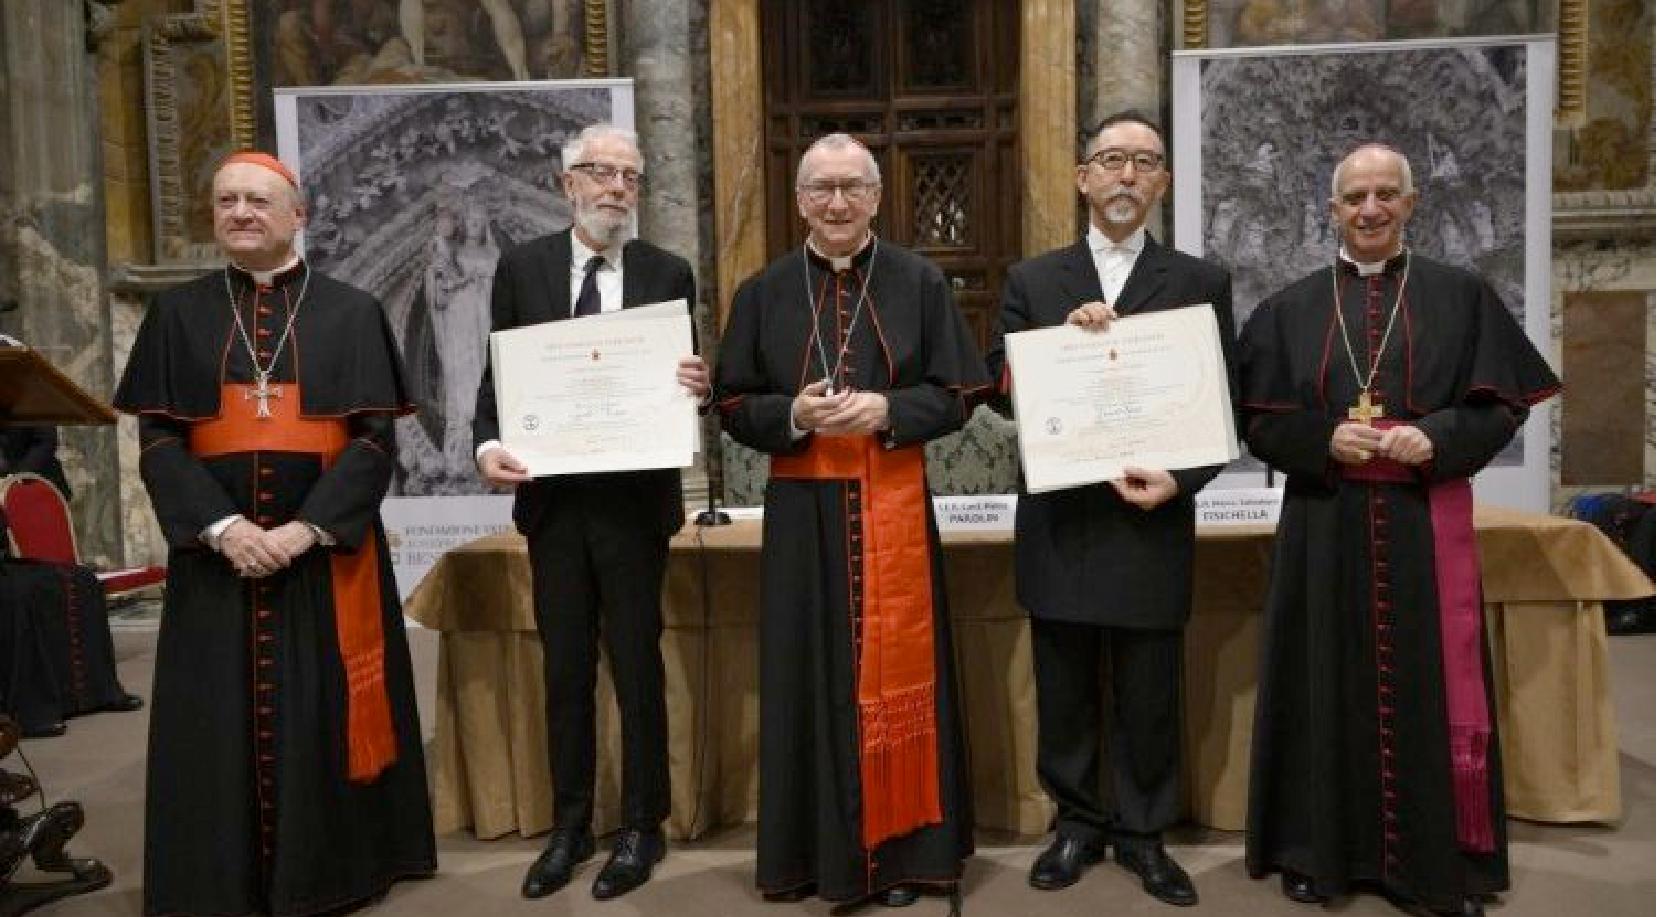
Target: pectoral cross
1365,411
261,390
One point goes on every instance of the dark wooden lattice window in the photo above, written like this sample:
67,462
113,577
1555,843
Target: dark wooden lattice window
931,87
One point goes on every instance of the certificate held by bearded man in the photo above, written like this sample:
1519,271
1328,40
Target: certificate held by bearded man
1150,390
598,393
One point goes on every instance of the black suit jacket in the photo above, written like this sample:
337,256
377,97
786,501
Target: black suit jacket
532,285
1084,554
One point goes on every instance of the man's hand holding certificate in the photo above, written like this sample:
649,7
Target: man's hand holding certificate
1148,391
597,394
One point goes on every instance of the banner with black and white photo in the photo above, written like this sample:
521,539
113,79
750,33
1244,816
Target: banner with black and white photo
414,191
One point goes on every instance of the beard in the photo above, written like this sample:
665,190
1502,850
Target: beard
1123,207
602,226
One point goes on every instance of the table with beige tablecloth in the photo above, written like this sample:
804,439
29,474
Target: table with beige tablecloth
1544,581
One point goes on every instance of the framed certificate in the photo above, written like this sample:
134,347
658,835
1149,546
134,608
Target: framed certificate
597,394
1151,390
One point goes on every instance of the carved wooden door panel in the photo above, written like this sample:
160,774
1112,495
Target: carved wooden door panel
930,86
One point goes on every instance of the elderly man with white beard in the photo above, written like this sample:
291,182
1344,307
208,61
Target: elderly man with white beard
597,542
1104,570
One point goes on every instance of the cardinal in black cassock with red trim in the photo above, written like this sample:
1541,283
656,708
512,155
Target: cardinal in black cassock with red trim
841,361
285,767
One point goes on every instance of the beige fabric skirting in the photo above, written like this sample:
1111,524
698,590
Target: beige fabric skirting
1544,581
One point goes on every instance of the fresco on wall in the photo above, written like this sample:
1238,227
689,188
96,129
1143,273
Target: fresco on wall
1612,149
379,42
1236,23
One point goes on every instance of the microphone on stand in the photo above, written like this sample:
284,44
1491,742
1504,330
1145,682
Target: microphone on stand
713,515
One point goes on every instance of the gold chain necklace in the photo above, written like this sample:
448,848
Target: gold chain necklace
1366,410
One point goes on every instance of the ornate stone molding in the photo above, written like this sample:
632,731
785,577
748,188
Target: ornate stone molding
1572,109
144,279
238,44
1194,24
100,22
595,38
1624,216
216,106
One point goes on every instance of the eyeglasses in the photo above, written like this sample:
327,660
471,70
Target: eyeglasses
819,193
1116,160
604,175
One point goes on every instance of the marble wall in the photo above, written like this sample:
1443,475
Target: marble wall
52,253
1607,265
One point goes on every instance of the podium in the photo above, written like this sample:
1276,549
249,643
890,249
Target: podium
34,392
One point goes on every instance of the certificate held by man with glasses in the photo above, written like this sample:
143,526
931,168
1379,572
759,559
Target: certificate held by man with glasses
599,393
1150,390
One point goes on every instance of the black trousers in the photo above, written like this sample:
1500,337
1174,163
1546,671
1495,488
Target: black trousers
595,579
1075,665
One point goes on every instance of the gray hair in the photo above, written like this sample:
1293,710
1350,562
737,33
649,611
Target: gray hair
836,142
577,145
1403,167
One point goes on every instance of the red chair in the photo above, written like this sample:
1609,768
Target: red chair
37,525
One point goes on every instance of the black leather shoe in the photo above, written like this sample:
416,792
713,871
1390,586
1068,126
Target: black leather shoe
636,851
1298,888
566,848
1470,907
46,731
899,896
1163,879
126,702
1062,863
790,895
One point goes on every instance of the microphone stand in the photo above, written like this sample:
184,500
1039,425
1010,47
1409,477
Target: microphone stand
713,515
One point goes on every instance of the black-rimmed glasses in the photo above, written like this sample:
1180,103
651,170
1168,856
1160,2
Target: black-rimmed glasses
604,175
1117,160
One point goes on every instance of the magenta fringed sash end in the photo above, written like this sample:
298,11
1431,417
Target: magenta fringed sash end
1455,551
1470,769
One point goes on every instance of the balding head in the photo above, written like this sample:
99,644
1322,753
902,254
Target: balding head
1373,151
1372,202
831,144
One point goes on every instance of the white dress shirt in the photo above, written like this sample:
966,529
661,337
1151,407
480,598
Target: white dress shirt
1114,260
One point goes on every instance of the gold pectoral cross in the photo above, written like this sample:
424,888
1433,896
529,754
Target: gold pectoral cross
261,390
1365,411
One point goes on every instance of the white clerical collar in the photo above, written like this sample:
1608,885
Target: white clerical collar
264,278
1101,243
1368,268
581,253
841,262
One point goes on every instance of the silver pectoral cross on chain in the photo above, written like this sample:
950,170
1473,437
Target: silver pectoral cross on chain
262,390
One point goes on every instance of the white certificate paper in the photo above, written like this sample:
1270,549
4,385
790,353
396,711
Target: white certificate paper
1149,391
599,393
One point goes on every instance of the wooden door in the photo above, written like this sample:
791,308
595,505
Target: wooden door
931,87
